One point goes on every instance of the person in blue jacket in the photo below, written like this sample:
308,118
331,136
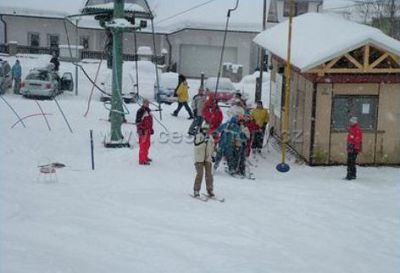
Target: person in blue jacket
229,132
16,73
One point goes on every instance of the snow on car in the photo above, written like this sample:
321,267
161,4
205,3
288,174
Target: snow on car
45,82
167,84
226,89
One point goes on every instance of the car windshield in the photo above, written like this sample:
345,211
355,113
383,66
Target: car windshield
224,84
39,75
169,81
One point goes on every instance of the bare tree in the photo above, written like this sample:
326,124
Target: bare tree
383,14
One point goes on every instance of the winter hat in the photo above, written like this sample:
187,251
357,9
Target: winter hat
353,120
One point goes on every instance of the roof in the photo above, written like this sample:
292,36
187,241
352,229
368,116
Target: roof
318,38
32,12
110,6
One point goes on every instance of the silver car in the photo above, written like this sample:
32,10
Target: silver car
5,77
44,82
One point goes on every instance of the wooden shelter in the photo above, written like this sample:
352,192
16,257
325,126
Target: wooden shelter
340,69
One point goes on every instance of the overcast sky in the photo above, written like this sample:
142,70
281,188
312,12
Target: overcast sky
249,11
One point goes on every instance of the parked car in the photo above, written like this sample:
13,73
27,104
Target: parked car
226,89
167,84
45,82
5,76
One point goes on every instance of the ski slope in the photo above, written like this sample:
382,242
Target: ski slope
123,217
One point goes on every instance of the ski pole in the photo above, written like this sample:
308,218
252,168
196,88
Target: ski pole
91,148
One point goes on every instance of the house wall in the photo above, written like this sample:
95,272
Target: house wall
242,41
312,7
19,27
388,135
338,153
300,113
247,51
381,146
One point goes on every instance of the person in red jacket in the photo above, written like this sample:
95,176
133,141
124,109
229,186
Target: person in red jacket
144,125
354,143
212,114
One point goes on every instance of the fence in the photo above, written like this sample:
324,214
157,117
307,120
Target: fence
85,54
3,48
36,50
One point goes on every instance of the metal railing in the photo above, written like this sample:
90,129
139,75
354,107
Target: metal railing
88,54
3,48
36,50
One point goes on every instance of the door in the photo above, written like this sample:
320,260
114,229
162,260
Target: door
195,59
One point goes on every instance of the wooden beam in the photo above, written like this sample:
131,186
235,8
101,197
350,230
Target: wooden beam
384,70
332,63
354,61
366,57
379,60
395,58
345,70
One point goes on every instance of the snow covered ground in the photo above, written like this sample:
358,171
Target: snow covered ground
123,217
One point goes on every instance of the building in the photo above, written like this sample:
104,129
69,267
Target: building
279,9
340,69
191,48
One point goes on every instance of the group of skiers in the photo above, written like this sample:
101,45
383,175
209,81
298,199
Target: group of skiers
234,140
213,140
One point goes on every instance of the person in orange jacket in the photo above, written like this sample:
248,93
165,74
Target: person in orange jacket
182,92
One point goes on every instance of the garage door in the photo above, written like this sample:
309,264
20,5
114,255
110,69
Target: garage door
194,59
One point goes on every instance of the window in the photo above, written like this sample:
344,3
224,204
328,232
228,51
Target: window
84,41
34,39
53,40
363,107
299,8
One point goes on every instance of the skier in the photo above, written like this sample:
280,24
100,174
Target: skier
182,93
212,114
239,152
16,73
261,117
236,109
227,134
144,125
354,144
253,128
203,150
197,106
54,60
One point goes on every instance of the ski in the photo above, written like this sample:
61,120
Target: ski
221,200
199,198
125,122
248,175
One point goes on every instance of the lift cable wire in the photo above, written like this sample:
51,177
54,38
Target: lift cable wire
223,46
13,110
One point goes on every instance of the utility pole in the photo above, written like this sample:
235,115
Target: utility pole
76,55
116,101
262,56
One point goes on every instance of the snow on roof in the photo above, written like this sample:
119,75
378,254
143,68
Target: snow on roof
317,38
110,6
32,12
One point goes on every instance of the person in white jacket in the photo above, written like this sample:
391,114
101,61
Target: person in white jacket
236,109
203,152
